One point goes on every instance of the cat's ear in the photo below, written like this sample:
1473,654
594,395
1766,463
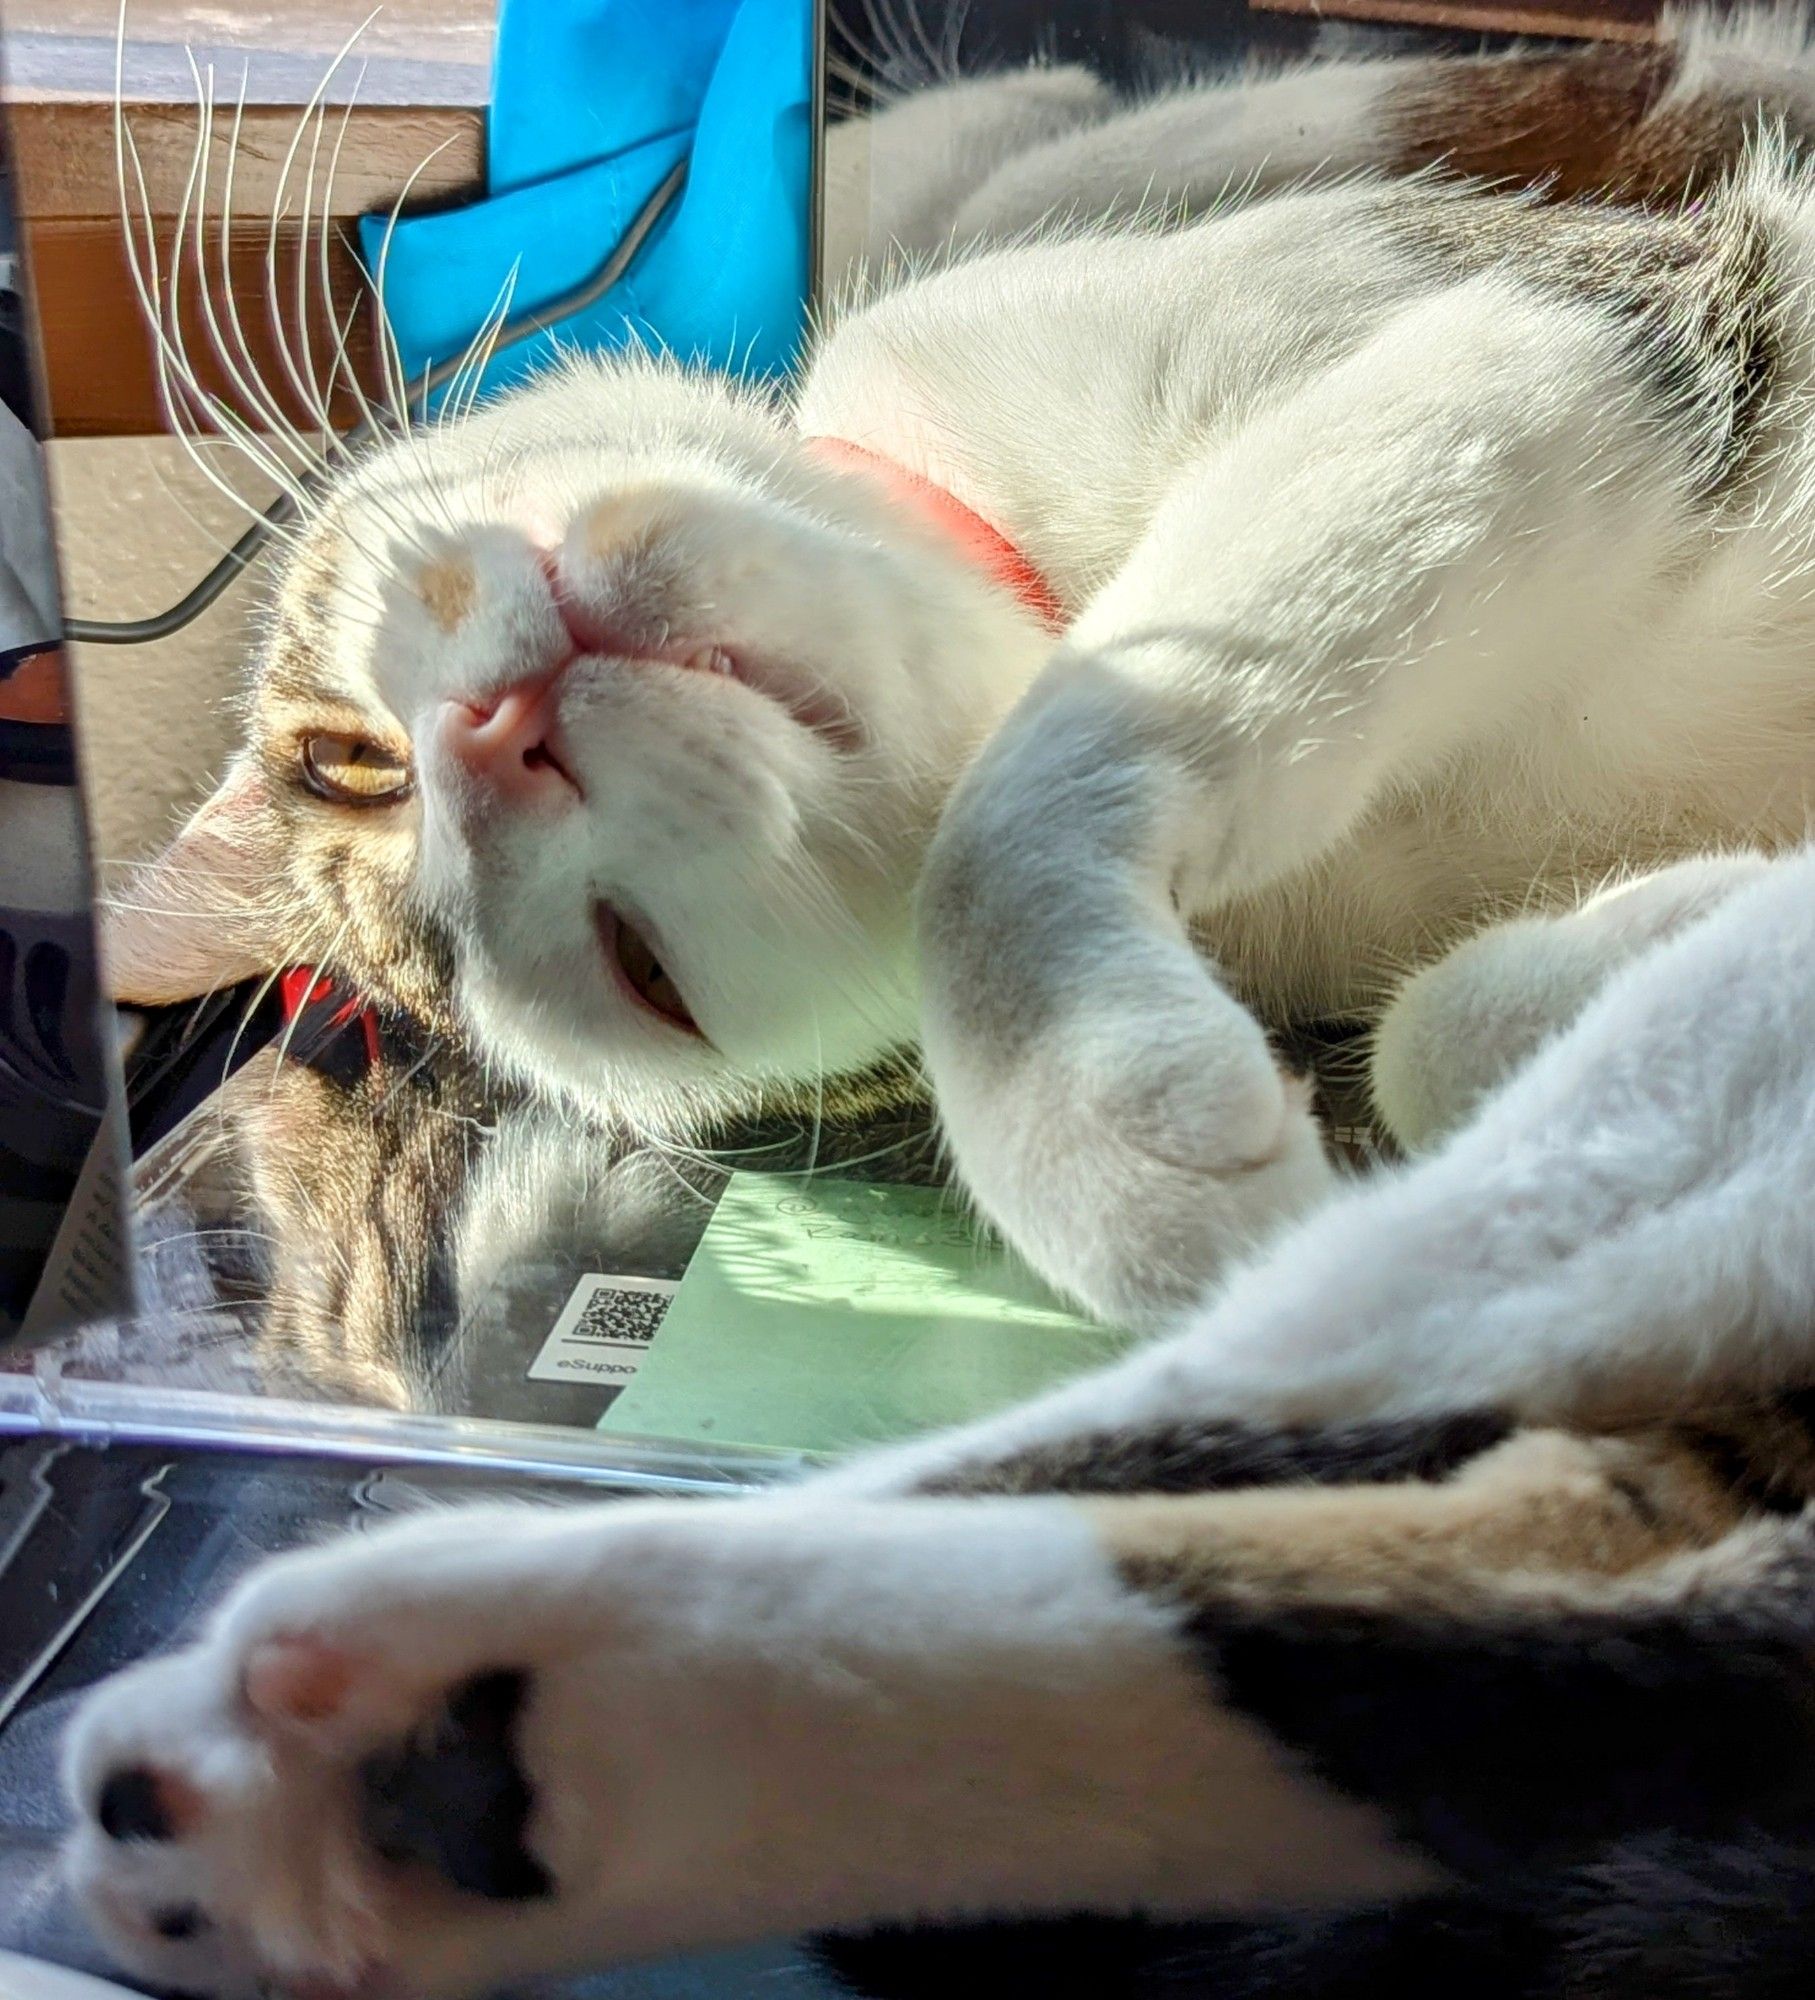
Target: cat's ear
200,916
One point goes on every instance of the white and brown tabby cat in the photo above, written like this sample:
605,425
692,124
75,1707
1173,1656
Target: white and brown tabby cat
1419,552
1432,1610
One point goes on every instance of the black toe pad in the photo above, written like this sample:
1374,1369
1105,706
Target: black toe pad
454,1797
131,1807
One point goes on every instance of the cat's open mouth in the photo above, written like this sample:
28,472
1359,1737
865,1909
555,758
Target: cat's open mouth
640,974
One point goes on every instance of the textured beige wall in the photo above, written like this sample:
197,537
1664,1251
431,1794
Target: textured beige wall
137,525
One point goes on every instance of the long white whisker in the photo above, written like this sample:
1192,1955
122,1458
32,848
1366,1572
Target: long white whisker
324,397
221,414
391,355
251,385
484,343
148,286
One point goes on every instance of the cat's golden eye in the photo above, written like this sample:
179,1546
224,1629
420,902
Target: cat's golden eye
354,771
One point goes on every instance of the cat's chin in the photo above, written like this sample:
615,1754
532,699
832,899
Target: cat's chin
637,970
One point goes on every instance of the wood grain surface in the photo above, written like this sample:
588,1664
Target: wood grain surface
412,92
1592,20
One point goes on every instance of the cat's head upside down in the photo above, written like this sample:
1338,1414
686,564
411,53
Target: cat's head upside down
604,730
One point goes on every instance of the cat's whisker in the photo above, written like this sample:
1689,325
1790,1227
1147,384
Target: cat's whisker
255,1000
394,383
218,412
321,961
340,327
304,259
486,341
844,71
340,364
187,428
298,360
186,253
236,355
390,355
477,353
916,28
176,383
374,427
893,53
464,384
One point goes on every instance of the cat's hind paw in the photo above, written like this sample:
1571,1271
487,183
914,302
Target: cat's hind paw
1460,1028
329,1797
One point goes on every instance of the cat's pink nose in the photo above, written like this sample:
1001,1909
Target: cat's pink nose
511,742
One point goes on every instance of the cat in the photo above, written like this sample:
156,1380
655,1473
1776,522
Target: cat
1431,1605
1430,1613
1254,604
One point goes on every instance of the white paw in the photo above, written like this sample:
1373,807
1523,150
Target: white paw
1133,1150
1114,1112
346,1790
1460,1028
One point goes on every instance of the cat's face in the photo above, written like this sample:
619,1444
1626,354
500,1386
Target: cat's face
605,729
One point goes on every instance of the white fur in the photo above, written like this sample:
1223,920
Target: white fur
837,1705
745,1719
1390,605
1392,609
1440,515
1622,1228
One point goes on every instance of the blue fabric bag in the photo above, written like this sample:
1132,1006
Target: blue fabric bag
594,102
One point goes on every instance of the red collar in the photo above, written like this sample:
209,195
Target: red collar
302,986
987,547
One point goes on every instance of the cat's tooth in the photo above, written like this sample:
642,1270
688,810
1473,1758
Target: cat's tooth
709,660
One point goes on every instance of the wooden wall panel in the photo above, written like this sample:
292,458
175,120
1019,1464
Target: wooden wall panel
99,356
1596,20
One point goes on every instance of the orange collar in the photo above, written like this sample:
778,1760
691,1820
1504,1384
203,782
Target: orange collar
987,547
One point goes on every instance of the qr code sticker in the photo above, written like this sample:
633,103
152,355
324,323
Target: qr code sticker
604,1331
615,1315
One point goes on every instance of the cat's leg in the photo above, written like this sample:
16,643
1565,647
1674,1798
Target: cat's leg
626,1728
1623,1228
1454,1032
597,1734
1361,584
487,1745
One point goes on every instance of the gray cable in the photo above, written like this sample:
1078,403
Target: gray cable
135,631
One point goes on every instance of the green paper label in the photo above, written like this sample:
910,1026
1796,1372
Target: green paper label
819,1315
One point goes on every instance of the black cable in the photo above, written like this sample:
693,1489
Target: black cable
136,631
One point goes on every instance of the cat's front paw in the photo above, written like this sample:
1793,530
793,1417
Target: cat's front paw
371,1780
1116,1114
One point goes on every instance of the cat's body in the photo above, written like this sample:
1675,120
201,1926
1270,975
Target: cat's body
1422,553
1432,1607
1433,1610
1639,681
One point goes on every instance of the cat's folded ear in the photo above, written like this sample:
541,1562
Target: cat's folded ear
206,913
